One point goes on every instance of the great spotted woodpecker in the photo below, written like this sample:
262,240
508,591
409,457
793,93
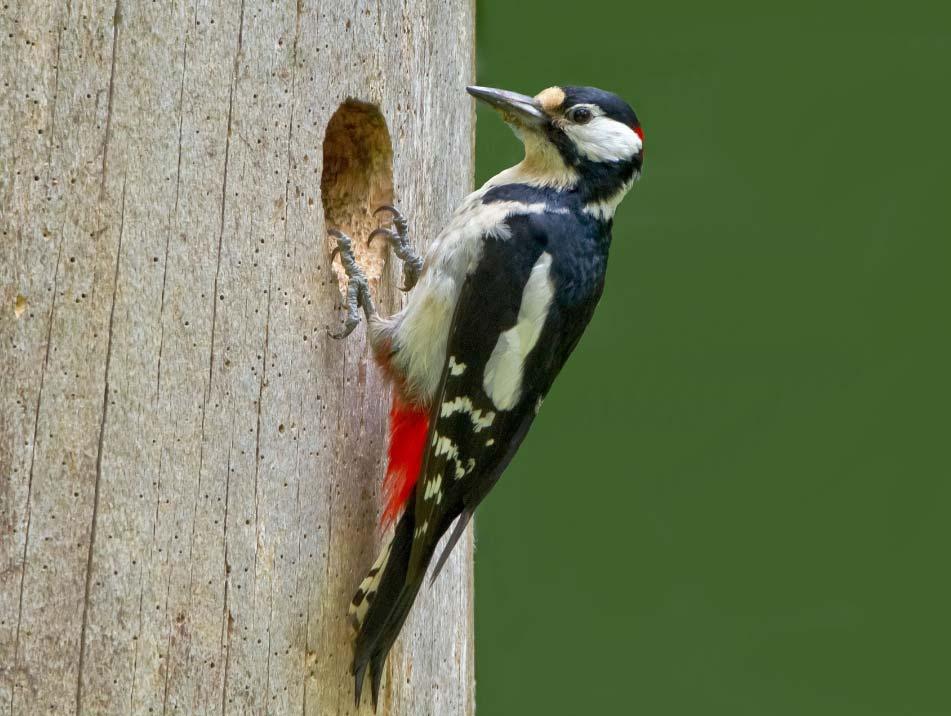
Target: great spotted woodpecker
503,295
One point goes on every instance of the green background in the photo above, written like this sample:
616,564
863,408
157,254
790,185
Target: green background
736,498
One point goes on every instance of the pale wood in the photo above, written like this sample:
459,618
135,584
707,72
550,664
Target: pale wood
189,467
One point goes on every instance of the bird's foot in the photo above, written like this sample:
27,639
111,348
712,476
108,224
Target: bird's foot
399,240
358,288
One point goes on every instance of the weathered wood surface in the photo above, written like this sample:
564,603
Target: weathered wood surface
189,466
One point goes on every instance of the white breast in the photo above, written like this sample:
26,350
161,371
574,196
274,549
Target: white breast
420,331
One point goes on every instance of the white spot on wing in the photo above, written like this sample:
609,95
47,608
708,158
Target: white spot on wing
462,404
445,446
456,368
503,372
433,487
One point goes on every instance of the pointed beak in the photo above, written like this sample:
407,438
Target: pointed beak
515,108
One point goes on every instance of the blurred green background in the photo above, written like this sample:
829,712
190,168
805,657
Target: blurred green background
736,499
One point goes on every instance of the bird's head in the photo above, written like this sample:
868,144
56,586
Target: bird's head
577,138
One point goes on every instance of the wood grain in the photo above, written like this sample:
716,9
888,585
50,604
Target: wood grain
189,466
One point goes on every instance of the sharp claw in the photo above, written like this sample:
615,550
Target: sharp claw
343,334
334,254
386,207
349,326
378,232
398,219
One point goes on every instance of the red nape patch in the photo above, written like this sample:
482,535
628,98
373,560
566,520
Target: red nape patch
408,427
639,132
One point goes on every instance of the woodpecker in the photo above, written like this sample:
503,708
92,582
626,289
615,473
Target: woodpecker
500,301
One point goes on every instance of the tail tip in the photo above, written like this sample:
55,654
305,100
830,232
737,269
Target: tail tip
358,675
376,679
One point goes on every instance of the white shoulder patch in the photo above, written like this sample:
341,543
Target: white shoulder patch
421,329
503,373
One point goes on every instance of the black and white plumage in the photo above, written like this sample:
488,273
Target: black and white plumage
505,293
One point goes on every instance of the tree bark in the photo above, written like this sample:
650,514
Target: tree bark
189,465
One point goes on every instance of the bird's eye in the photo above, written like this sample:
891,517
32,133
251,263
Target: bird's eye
580,115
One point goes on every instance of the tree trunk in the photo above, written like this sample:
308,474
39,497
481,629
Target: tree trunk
189,465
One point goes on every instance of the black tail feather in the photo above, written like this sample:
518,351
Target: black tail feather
358,675
451,542
376,677
382,605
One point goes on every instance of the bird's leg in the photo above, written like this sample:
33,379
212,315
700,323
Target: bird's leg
358,289
399,240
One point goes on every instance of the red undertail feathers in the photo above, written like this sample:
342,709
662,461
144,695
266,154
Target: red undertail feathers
409,425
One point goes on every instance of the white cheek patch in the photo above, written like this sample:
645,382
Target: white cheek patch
503,373
604,140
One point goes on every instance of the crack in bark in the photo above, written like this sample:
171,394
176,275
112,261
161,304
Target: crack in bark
224,191
225,617
310,583
52,130
116,21
102,431
300,522
261,386
29,483
270,618
168,233
168,643
257,448
290,121
135,658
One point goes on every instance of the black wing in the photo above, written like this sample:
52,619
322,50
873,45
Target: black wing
474,435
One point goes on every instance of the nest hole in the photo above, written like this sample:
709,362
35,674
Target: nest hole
357,178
